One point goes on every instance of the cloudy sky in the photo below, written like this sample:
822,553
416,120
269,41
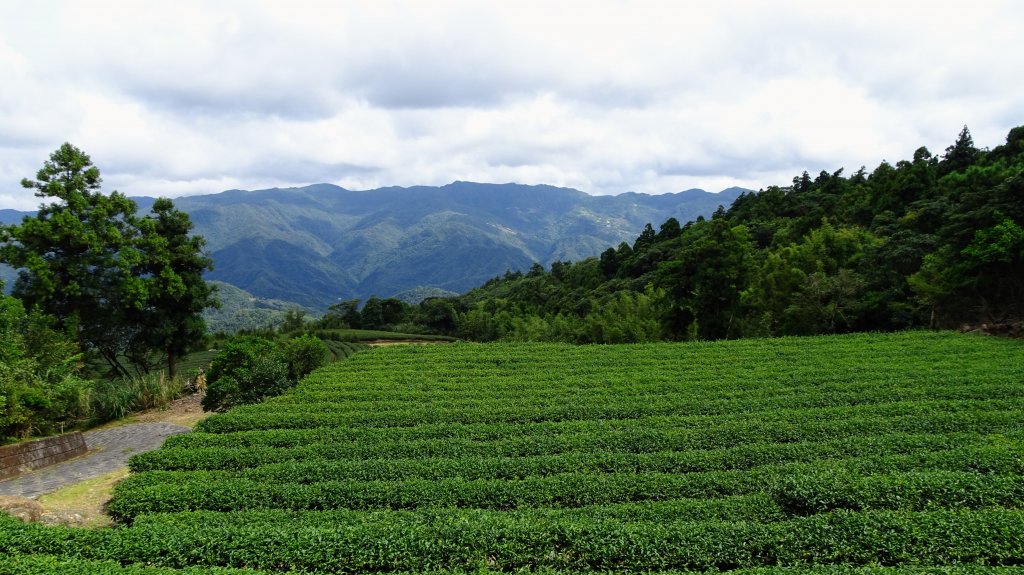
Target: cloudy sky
190,97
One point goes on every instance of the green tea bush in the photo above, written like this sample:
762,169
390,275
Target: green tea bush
469,540
891,454
49,565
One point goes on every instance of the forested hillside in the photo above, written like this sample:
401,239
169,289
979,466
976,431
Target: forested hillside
240,310
936,240
320,244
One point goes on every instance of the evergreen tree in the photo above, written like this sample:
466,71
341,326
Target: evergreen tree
76,255
121,285
172,268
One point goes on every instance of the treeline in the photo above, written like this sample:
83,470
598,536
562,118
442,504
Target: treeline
934,241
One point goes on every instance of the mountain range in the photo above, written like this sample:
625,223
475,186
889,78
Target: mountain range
318,244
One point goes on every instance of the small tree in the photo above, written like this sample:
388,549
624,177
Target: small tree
234,376
304,354
294,320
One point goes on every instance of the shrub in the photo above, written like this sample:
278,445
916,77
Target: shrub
40,389
237,356
245,371
304,354
265,376
221,395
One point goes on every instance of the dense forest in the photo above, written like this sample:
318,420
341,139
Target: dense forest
935,241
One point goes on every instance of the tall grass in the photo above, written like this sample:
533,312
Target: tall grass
116,398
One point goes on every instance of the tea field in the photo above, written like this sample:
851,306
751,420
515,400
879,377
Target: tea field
862,454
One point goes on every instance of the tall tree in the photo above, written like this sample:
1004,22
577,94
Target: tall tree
960,155
172,268
74,253
703,282
121,285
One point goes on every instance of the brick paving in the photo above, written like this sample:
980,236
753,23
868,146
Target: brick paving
109,449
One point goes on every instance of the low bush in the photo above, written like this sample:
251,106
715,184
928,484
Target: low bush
468,540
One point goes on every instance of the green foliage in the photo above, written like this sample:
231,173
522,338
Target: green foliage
376,315
304,354
629,318
175,293
246,370
237,355
122,286
1003,243
927,242
249,369
294,320
241,311
41,391
409,243
339,350
357,335
49,564
825,454
19,564
835,454
704,281
343,314
116,398
76,254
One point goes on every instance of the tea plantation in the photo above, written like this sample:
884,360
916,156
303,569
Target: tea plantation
861,454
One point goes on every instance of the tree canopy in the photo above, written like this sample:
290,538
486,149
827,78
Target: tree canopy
123,286
930,241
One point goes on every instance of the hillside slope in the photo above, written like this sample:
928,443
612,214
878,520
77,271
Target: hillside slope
317,244
794,455
240,310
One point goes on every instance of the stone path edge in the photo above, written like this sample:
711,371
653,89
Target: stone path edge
109,449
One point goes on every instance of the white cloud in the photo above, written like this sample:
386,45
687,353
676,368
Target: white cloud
607,96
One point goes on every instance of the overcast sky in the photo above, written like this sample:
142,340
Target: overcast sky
194,97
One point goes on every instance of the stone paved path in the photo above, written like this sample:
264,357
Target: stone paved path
109,449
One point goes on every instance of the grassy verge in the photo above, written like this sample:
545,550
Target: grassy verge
86,499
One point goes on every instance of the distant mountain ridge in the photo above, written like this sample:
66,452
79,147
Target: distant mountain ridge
320,243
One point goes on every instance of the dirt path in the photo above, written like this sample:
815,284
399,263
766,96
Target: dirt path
74,491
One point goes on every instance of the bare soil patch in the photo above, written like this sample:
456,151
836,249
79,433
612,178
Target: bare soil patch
186,411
